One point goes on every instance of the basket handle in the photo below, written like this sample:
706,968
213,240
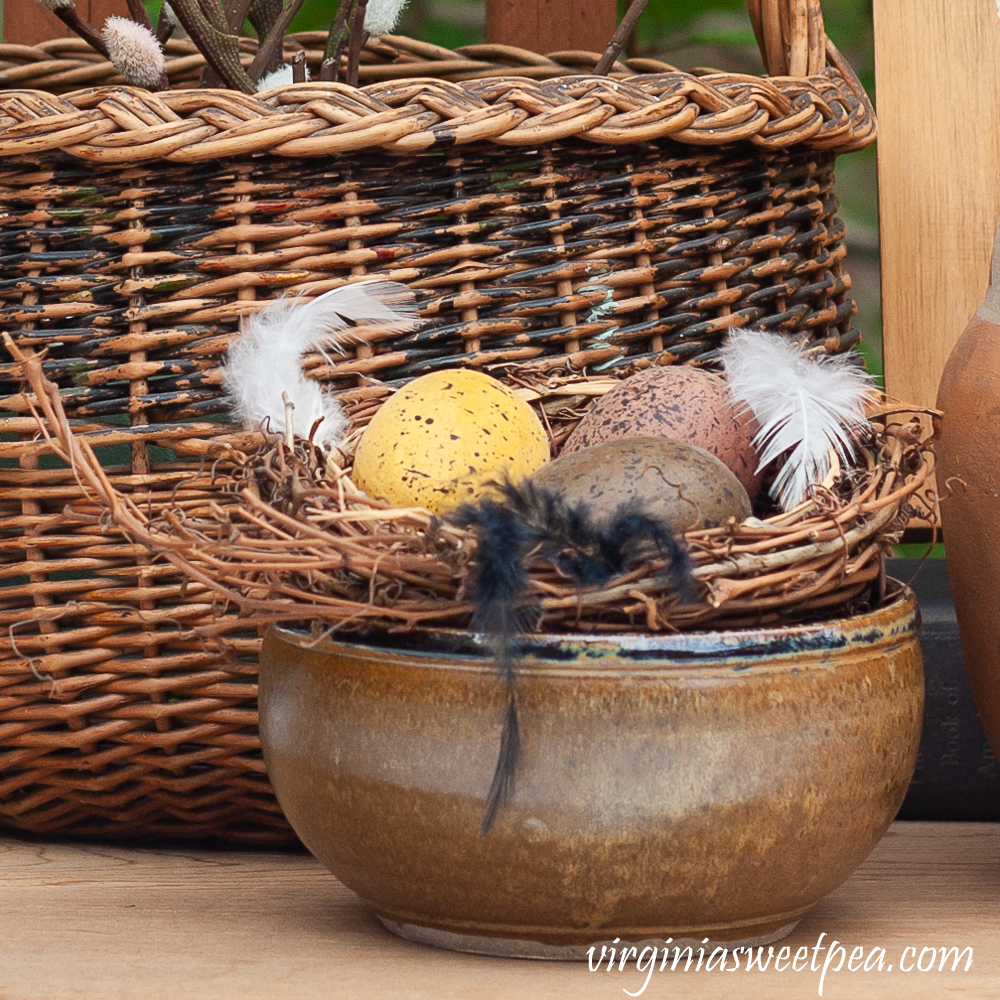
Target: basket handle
793,42
790,36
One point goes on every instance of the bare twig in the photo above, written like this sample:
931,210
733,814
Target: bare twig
620,37
358,38
272,45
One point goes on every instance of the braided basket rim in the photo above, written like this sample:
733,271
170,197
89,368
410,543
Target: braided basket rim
454,100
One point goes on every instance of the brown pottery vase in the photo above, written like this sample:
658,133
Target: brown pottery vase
702,785
968,478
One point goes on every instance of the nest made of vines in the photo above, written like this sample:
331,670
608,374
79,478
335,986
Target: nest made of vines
289,537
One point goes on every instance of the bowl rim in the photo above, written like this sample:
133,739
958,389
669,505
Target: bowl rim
895,621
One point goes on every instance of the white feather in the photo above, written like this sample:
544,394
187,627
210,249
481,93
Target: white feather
265,360
803,405
283,76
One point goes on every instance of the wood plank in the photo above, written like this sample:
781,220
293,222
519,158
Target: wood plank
26,23
937,68
539,25
551,25
143,924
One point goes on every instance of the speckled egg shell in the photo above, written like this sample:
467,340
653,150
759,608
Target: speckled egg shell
681,484
443,438
679,402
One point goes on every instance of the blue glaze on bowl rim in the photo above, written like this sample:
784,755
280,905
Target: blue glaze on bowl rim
896,621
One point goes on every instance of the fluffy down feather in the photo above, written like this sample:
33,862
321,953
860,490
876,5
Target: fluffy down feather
804,405
265,360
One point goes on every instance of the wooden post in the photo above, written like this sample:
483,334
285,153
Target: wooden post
551,25
937,68
26,23
539,25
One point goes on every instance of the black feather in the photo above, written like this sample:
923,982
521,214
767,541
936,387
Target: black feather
500,583
592,552
500,579
621,540
502,786
532,522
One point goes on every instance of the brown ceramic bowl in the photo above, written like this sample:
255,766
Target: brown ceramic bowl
699,785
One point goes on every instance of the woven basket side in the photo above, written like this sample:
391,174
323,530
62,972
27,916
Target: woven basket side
540,259
114,718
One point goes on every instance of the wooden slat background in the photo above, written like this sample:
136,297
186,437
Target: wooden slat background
937,65
551,25
540,25
26,23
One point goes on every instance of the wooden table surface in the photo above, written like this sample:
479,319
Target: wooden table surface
104,923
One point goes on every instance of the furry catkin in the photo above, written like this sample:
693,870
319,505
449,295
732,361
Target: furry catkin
280,77
134,52
381,16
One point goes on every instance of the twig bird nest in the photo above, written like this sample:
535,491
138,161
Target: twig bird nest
289,537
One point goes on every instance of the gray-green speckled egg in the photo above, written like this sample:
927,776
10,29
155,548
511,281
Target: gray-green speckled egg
681,484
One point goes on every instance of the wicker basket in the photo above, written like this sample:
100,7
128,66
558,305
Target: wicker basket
548,226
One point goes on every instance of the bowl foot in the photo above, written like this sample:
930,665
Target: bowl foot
515,947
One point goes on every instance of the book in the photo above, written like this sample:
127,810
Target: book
957,776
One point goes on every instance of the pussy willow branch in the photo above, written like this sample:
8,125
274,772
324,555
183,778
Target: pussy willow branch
137,12
72,19
262,15
357,43
336,39
620,37
206,23
272,45
235,12
166,24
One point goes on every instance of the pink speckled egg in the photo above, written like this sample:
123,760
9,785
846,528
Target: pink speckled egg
677,402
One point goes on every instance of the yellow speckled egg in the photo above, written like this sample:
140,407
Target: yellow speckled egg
442,439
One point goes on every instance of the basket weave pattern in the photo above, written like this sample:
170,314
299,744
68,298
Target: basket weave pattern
549,225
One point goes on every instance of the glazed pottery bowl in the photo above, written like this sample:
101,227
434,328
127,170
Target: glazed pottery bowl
703,785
